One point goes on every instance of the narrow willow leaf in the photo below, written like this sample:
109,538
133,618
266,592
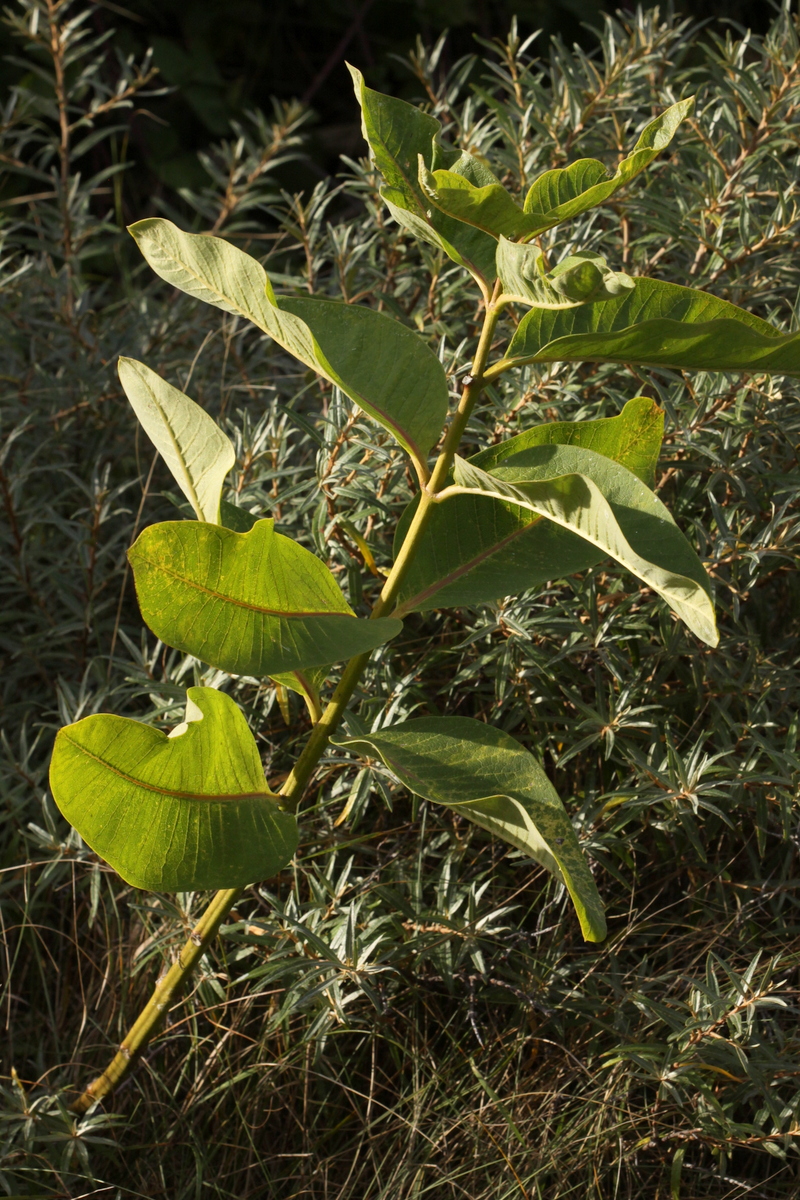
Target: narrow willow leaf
179,812
475,551
555,196
486,776
195,449
578,279
250,603
401,137
556,482
658,325
386,368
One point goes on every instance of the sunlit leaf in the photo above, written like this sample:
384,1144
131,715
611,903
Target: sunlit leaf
250,603
475,550
385,367
622,518
195,449
660,325
556,196
486,776
178,812
578,279
565,193
632,439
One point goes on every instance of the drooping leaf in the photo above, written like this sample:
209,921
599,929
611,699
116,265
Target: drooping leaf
178,812
401,137
554,197
195,449
559,484
659,325
486,776
474,550
386,368
250,603
578,279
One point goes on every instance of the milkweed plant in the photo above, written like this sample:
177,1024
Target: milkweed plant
192,809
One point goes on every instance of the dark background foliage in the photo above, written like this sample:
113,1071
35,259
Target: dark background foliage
223,57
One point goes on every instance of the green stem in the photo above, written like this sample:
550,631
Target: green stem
166,992
294,788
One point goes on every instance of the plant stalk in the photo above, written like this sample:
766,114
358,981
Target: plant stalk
169,987
166,991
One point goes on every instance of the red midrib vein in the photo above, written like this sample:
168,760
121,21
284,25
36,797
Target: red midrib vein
152,787
267,612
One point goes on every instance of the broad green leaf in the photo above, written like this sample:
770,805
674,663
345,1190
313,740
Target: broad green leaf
632,439
475,551
401,137
250,603
565,193
487,777
174,812
195,449
658,325
578,279
236,518
385,367
558,483
555,196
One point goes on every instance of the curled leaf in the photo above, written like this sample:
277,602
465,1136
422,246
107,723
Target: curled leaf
179,812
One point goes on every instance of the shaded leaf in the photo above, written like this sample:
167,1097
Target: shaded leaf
236,518
558,483
660,325
554,197
306,683
178,812
250,603
195,449
475,550
385,367
486,776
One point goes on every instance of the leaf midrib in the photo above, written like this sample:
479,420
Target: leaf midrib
152,787
267,612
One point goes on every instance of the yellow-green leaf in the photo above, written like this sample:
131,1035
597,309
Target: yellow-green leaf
172,812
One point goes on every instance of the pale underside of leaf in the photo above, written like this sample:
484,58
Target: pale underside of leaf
475,550
382,365
576,503
195,449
